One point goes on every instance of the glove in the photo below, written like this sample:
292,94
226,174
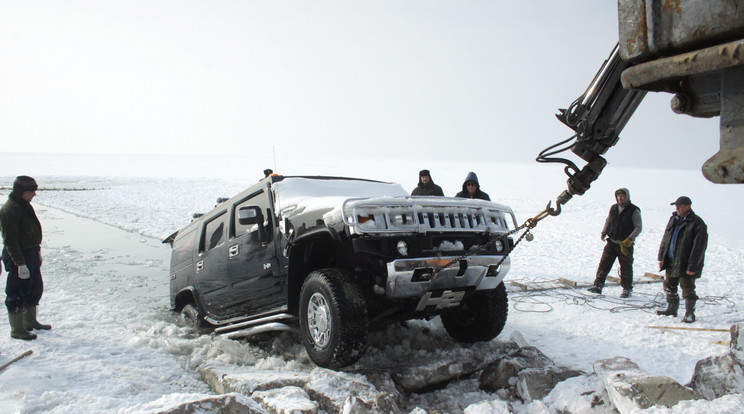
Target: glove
23,272
625,246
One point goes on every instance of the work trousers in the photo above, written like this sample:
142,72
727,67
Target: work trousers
609,254
687,283
20,293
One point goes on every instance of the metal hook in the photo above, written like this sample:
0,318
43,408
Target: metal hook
553,211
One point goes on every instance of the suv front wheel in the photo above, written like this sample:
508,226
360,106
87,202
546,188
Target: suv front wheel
480,317
194,319
333,318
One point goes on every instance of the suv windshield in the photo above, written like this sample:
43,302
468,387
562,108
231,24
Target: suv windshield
295,192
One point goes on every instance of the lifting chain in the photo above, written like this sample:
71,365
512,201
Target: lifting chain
529,224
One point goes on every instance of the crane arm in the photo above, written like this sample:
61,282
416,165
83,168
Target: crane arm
597,118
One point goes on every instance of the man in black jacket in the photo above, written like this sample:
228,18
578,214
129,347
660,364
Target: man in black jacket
471,188
21,255
682,255
622,226
426,186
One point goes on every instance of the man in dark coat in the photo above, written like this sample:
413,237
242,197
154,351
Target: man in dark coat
21,255
682,255
471,188
426,186
622,226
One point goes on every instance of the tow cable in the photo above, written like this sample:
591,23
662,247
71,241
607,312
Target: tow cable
529,224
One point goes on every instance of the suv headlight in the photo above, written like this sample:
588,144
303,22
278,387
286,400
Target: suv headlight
402,248
498,245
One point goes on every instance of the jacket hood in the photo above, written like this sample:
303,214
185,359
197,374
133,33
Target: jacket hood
470,177
627,195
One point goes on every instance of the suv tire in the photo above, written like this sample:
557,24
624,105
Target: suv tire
480,317
333,318
193,318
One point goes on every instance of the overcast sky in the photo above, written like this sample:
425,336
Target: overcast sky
420,79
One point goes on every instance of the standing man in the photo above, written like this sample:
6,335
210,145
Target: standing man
426,186
471,188
622,226
682,253
21,255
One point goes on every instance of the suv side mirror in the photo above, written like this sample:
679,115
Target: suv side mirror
250,215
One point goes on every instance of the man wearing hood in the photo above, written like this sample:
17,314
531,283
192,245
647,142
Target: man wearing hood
426,186
471,188
682,255
622,226
21,255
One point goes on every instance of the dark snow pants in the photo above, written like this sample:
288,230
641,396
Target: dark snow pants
609,254
20,293
687,283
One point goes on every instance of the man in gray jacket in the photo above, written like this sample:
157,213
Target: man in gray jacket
682,255
622,226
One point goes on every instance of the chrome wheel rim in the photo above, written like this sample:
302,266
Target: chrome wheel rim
319,321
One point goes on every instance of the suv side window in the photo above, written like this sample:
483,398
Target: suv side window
214,233
258,198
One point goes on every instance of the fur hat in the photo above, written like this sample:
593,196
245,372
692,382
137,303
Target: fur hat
423,173
24,183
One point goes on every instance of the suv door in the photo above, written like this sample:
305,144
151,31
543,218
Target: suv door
257,285
211,264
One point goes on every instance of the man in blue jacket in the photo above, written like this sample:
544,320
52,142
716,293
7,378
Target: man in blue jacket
471,188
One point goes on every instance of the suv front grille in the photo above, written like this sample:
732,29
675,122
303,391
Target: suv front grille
416,216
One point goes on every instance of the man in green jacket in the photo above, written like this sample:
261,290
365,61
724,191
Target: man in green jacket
682,254
21,231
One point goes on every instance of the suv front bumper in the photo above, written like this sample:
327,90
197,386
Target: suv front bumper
415,277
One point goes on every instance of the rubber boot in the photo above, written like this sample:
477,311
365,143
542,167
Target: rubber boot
596,289
30,322
689,311
17,330
672,306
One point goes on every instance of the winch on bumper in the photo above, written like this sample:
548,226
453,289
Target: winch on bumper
416,276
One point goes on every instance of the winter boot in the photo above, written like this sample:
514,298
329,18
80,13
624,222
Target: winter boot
16,327
689,311
596,289
30,322
626,293
672,306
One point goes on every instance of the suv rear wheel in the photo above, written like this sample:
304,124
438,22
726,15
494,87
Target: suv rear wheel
333,318
480,317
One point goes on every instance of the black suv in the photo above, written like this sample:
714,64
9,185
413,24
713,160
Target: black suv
336,256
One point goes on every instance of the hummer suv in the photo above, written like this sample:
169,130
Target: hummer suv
335,256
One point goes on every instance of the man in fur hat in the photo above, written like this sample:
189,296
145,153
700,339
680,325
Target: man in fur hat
426,186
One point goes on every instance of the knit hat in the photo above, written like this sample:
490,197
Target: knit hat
24,183
423,173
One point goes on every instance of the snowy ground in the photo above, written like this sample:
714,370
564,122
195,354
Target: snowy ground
116,348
